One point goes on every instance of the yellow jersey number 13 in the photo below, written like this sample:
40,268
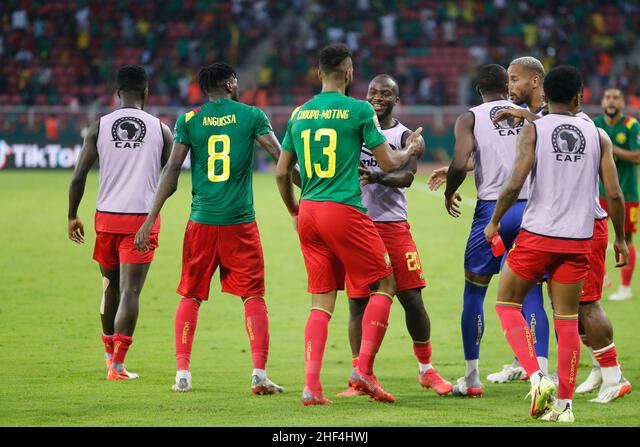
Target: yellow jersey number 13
329,150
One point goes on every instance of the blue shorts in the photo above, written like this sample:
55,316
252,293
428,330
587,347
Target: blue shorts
478,257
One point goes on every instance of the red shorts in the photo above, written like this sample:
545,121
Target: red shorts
335,237
531,257
631,210
113,249
236,249
405,260
592,288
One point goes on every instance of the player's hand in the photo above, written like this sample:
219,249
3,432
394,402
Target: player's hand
76,230
438,178
505,114
452,204
622,253
491,230
368,176
415,143
141,240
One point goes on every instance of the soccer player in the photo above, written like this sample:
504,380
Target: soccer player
564,154
596,330
222,230
326,135
383,194
624,132
493,150
132,147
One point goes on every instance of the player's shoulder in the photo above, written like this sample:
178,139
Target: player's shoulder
188,116
599,120
630,122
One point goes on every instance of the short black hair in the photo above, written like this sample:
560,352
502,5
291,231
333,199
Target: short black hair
132,78
492,78
332,56
380,77
215,75
562,84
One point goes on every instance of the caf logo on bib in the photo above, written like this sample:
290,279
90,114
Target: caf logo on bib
128,132
510,126
568,143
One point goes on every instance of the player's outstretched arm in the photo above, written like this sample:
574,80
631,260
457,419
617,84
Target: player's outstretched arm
439,176
615,198
87,158
284,173
167,186
270,143
167,137
525,157
400,178
457,171
390,160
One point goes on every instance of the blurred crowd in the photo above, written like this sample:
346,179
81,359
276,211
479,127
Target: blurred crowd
66,52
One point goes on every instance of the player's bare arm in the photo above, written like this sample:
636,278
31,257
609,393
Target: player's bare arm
439,176
87,158
614,196
518,113
166,187
400,178
270,143
167,137
390,160
525,157
284,177
632,156
458,169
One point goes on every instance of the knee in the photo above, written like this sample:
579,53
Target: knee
385,285
412,304
130,292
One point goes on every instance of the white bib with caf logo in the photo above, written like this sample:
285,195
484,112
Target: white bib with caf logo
564,178
495,149
130,146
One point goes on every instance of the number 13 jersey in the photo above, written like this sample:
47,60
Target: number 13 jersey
327,134
221,135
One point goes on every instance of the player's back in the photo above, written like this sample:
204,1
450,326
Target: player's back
327,134
563,186
129,144
221,135
495,149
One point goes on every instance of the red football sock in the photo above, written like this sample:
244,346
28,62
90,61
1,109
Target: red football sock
121,345
568,354
374,325
354,360
185,328
607,356
626,272
518,335
422,352
257,324
108,344
315,339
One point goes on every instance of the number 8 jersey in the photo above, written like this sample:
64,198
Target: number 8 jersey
221,135
327,133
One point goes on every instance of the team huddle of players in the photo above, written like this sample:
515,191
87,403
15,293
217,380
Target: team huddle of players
353,160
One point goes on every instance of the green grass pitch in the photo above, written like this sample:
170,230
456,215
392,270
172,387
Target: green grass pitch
53,372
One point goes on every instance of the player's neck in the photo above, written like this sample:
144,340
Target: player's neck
489,97
612,120
332,86
129,102
217,96
387,122
561,109
535,103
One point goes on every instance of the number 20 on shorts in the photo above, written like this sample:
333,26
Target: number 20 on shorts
219,156
329,150
413,261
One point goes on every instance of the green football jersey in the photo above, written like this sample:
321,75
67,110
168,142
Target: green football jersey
626,135
221,135
327,134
